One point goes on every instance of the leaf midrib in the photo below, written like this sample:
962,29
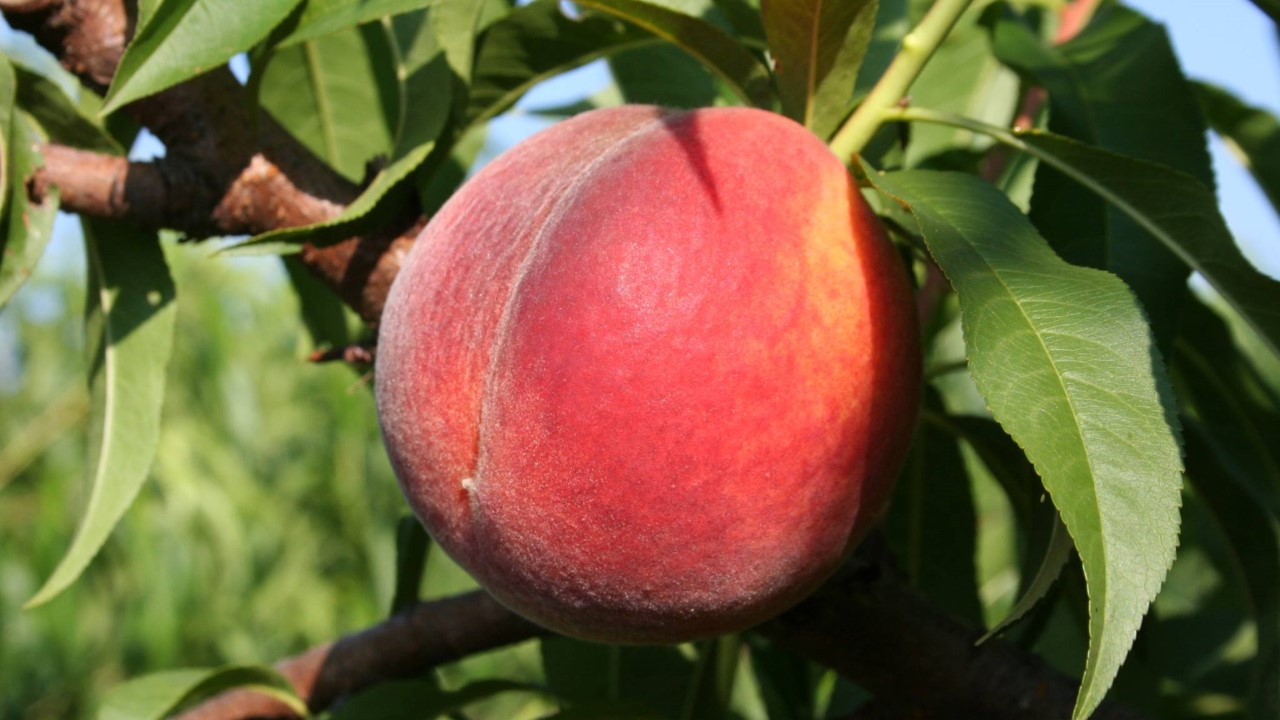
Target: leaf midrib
1093,486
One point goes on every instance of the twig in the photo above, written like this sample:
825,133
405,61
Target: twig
917,47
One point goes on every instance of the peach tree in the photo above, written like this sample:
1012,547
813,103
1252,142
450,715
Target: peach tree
1101,401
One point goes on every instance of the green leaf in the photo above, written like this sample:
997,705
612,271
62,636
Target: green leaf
337,94
1233,464
931,521
1181,213
1055,559
1104,87
1175,208
456,24
416,699
630,681
1253,134
533,43
26,227
321,17
129,323
424,102
715,48
787,684
964,77
1066,362
412,545
1253,539
8,91
322,312
713,676
160,695
64,121
817,48
186,38
663,75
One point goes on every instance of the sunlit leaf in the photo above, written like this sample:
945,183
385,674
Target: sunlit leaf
158,696
61,119
1065,360
25,227
1055,558
1176,209
424,103
8,91
129,323
1253,134
718,50
457,22
186,38
817,48
337,94
321,17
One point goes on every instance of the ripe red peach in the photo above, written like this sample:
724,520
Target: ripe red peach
650,375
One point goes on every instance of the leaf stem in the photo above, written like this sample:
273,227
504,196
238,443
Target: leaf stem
917,47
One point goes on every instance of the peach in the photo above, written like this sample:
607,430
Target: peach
650,375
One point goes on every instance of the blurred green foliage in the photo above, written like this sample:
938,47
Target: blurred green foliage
267,524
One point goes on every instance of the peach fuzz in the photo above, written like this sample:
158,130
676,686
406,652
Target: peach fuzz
650,375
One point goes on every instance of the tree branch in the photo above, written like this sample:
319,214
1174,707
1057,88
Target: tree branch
426,635
229,167
867,623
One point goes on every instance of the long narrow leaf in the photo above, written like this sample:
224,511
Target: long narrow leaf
130,321
817,47
157,696
718,50
1253,134
425,99
536,42
331,94
8,91
1065,360
1104,86
61,119
26,226
1055,558
185,38
322,17
1175,208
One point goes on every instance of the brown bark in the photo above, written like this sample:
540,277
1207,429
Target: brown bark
426,635
867,623
229,168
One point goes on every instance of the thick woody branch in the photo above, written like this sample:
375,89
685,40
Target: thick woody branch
229,168
426,635
866,623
